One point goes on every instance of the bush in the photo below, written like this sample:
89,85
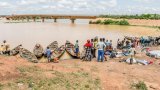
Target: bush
98,22
109,21
140,86
142,16
123,22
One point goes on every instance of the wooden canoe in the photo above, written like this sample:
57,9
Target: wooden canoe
38,51
24,53
58,52
15,50
53,45
70,49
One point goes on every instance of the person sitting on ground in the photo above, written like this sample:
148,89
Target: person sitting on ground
113,53
88,54
1,49
6,49
48,53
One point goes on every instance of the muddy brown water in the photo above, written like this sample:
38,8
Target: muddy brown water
31,33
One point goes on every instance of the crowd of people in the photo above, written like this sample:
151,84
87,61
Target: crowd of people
125,47
101,48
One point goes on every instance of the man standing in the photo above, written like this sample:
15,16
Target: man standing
76,46
101,45
48,53
95,47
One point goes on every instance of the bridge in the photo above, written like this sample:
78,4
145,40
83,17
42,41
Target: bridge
43,17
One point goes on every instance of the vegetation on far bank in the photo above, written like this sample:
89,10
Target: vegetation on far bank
142,16
111,22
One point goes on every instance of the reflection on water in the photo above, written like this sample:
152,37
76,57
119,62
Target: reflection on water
29,34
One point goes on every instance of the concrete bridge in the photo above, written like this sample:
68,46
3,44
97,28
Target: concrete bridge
43,17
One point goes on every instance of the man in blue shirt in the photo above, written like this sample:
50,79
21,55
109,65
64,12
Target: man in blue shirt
48,53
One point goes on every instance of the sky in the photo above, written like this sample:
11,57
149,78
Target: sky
79,7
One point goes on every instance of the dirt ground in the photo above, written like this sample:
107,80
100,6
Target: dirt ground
113,75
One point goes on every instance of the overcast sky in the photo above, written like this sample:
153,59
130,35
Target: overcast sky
81,7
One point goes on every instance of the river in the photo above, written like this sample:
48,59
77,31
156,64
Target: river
28,34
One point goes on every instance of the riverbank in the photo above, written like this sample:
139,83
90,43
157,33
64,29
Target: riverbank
70,74
135,22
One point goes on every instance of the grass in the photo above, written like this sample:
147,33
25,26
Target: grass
139,86
94,69
29,69
36,79
1,86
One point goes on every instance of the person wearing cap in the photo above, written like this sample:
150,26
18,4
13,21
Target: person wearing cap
76,46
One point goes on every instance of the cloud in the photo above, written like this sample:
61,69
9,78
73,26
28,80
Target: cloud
95,7
5,5
145,1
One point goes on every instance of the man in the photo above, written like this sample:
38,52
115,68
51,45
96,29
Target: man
95,47
101,45
132,53
88,54
92,48
48,53
6,47
76,46
107,43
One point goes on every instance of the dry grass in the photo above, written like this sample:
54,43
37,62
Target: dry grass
34,78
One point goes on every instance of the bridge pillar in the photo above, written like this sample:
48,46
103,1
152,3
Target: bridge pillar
27,19
42,19
55,20
73,21
34,19
22,19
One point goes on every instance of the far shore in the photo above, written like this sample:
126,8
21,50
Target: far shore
136,22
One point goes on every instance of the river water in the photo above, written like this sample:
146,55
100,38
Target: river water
28,34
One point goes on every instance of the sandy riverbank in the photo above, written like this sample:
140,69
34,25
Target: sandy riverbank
141,22
17,73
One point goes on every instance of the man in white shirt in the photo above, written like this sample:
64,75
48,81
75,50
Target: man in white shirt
101,45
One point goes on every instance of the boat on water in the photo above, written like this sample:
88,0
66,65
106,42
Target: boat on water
58,52
70,49
38,51
53,45
16,50
24,53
